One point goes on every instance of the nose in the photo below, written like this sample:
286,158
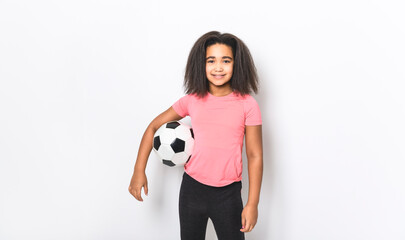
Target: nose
218,68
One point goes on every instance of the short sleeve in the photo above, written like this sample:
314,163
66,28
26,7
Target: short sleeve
181,106
253,114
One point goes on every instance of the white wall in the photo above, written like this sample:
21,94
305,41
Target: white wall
81,80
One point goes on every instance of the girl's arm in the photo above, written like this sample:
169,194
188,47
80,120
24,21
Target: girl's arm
254,153
139,179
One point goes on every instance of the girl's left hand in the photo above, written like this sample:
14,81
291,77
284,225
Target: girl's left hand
249,218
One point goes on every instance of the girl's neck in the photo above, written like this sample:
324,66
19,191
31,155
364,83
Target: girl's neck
220,92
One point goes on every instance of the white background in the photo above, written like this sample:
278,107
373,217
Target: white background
81,80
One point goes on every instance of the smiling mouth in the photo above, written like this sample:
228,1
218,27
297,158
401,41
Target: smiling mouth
218,76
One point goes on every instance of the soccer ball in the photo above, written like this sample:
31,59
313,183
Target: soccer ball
173,142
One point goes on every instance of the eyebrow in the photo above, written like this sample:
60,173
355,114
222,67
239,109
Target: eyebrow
224,57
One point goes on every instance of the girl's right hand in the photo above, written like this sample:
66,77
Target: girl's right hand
138,181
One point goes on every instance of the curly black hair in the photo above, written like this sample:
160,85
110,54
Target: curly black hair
244,77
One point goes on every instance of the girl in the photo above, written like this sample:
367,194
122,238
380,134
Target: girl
220,75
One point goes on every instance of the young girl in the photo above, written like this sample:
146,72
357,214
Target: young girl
220,75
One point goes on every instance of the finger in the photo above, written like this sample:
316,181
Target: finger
145,189
253,226
132,191
245,226
248,226
138,194
243,229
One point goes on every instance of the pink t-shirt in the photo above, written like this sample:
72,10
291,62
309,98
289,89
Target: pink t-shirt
219,127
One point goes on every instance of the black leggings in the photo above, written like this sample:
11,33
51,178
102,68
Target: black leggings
198,202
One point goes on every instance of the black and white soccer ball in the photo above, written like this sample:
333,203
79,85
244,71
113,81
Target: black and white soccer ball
174,142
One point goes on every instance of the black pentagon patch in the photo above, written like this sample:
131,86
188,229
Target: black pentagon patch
178,145
192,132
156,142
172,125
168,163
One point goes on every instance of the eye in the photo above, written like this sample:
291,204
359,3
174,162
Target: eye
210,61
227,61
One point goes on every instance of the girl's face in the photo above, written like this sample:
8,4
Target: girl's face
219,65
